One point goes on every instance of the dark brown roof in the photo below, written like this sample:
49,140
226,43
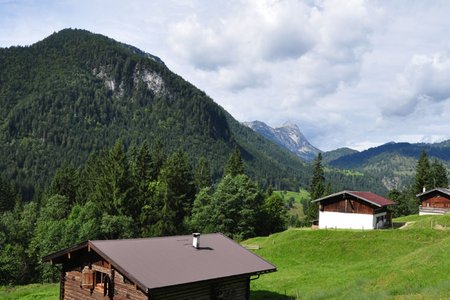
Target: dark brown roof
166,261
369,197
444,191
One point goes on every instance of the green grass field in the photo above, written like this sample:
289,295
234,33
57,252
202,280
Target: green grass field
410,263
31,292
297,207
297,196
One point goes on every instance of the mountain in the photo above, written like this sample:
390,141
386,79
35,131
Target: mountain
287,136
75,93
392,163
336,154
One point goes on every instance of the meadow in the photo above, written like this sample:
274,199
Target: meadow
48,291
294,201
408,263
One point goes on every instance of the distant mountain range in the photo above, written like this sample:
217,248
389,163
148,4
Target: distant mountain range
287,136
392,163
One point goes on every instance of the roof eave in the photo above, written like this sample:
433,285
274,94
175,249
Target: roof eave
61,253
354,195
217,278
52,256
442,190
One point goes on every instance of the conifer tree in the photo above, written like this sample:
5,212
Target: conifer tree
317,188
65,183
422,178
438,176
202,174
235,165
7,196
140,170
157,159
177,181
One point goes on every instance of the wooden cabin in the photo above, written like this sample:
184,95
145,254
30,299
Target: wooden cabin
178,267
354,210
434,202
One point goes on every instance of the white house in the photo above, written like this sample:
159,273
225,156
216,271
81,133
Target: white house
354,210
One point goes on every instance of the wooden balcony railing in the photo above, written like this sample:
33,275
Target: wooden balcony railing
434,210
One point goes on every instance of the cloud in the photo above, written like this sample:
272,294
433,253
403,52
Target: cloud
205,48
320,45
425,81
259,30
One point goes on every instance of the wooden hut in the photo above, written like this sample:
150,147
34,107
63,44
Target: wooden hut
178,267
354,210
434,202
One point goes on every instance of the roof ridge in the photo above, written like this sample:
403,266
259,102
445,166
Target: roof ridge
152,238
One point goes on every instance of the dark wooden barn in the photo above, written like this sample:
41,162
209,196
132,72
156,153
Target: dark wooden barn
179,267
354,210
434,202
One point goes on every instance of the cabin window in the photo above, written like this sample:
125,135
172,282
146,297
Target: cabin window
98,279
103,283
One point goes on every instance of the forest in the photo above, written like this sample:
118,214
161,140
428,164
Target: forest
127,193
75,93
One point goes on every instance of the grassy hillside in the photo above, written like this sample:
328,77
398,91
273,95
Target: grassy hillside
32,291
295,196
427,221
294,202
410,263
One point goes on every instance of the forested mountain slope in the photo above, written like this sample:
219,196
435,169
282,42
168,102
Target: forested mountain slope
393,163
75,93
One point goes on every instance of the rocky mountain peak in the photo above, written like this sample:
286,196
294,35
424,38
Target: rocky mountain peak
287,136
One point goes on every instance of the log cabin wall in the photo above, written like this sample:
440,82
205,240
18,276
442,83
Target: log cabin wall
347,205
223,289
76,288
436,201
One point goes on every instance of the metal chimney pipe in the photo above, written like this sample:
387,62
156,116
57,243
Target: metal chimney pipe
196,240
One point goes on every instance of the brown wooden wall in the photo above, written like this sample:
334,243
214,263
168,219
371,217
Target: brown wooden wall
234,288
437,201
122,290
347,205
222,289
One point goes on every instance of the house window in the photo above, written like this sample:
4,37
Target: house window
99,280
103,284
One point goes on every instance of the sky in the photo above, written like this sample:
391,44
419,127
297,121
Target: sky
349,73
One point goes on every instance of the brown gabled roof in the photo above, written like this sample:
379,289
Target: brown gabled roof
167,261
444,191
369,197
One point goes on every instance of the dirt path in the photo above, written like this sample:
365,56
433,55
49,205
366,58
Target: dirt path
407,224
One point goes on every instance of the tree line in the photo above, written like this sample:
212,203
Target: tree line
146,191
142,191
429,175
